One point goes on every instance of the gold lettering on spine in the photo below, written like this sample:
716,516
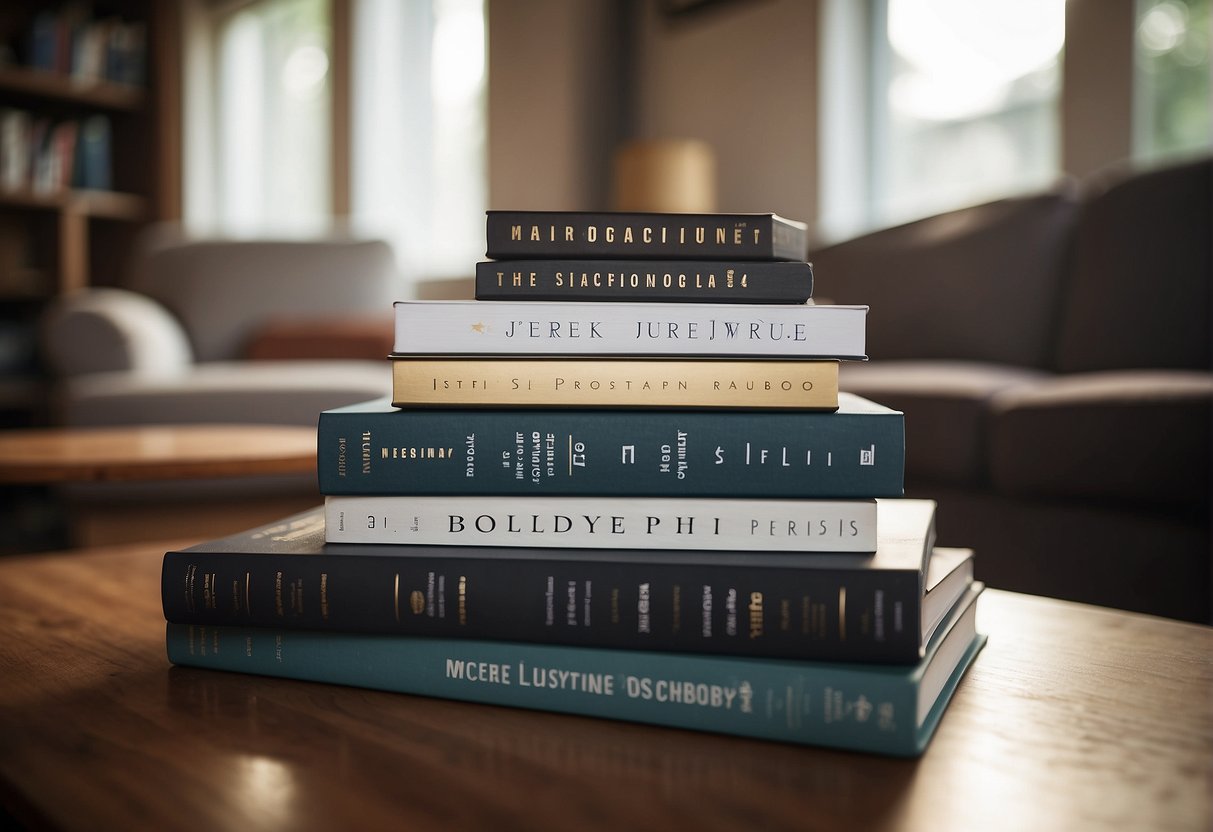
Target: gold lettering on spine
396,596
842,613
248,592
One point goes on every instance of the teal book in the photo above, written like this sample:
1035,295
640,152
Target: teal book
374,448
873,708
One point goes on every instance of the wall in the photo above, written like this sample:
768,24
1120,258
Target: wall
743,77
554,102
570,80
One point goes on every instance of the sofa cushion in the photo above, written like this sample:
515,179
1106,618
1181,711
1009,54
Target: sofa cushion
284,339
1139,436
1138,290
976,284
276,392
944,403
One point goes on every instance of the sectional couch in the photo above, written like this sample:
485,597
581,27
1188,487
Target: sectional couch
1053,357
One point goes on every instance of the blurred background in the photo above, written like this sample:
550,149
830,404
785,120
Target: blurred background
199,199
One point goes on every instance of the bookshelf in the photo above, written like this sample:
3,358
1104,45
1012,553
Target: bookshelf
89,154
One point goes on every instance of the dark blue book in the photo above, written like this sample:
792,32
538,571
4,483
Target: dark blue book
659,281
589,235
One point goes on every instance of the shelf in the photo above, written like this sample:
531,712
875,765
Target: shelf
110,205
50,85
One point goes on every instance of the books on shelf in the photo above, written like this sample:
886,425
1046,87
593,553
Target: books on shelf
375,448
479,327
71,42
494,381
625,235
884,709
696,523
881,608
45,156
645,281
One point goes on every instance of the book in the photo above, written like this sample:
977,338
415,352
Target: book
878,608
883,709
493,381
717,524
93,153
620,234
663,281
485,327
374,448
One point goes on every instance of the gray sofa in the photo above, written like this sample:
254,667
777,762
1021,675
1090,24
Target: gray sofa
178,341
1053,357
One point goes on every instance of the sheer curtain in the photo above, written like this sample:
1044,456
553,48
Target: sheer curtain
418,169
258,131
929,105
258,109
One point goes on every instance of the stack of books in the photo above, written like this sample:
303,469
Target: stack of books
615,484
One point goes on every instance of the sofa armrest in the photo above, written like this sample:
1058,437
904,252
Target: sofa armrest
109,330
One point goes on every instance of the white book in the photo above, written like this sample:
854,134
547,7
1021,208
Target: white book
605,522
480,327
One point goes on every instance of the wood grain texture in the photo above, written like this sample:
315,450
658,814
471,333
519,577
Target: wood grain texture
1072,718
155,452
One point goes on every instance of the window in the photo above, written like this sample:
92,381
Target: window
259,152
262,91
1172,87
420,131
929,105
956,102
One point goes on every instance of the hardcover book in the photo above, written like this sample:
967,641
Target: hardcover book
493,381
663,281
718,524
877,608
603,235
374,448
483,327
883,709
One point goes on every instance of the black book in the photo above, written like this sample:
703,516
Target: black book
585,235
663,281
874,608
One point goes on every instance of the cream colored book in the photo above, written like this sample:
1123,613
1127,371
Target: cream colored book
599,383
650,523
795,331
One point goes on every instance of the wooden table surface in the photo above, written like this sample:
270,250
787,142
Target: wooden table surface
155,452
1072,718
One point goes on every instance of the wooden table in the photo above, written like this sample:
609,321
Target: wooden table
157,454
1072,718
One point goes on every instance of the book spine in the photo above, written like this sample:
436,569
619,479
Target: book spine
617,383
662,281
633,329
796,702
606,523
522,234
602,453
843,614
